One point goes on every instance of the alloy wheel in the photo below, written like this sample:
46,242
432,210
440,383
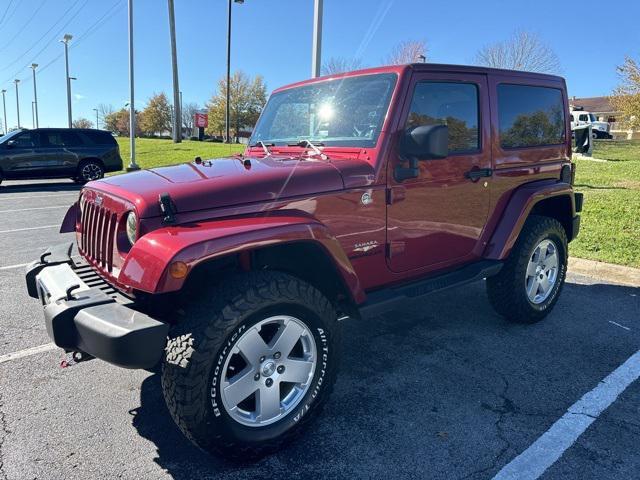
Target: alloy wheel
542,271
268,371
91,171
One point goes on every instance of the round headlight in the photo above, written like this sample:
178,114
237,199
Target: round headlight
132,227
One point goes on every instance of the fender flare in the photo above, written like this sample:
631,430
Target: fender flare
522,201
147,264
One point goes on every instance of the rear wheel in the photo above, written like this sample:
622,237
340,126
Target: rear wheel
251,365
89,170
528,286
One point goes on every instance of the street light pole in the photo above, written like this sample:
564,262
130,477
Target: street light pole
96,110
228,101
16,81
132,111
177,124
35,94
4,108
316,52
66,39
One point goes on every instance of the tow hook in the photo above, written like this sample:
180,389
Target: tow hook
72,358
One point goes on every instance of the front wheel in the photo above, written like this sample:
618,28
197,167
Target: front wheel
528,286
249,367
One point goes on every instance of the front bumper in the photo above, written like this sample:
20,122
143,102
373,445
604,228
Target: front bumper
82,313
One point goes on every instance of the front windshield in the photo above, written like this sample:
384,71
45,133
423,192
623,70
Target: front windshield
9,136
345,112
593,117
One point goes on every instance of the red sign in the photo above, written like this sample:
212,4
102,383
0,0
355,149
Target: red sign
202,120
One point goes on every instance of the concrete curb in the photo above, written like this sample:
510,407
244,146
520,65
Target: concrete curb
605,271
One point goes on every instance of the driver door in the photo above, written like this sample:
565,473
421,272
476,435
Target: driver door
435,219
21,157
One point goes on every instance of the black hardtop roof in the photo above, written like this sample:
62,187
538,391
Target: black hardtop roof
445,67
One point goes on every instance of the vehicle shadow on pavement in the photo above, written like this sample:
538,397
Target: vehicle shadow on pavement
442,385
38,187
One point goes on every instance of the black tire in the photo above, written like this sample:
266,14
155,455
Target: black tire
507,290
204,339
89,170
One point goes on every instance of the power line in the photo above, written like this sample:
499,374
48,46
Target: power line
4,15
21,57
87,33
21,29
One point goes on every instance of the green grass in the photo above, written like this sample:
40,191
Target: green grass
151,152
610,230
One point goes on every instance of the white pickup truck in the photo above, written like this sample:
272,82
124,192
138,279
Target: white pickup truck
598,129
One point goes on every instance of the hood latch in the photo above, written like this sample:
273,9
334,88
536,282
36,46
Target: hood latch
166,206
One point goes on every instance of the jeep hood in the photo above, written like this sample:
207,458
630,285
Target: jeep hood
231,181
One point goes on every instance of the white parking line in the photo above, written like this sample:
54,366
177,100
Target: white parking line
547,449
27,352
618,325
27,228
29,197
9,267
35,208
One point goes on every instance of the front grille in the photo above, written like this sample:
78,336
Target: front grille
98,234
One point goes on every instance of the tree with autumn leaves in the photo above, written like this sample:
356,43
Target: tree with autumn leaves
248,96
626,96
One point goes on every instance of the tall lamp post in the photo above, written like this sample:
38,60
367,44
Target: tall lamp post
4,108
177,124
228,106
132,111
96,110
35,94
66,39
16,81
316,57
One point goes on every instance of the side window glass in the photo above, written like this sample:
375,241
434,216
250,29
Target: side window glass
584,118
70,139
452,104
53,139
26,140
530,116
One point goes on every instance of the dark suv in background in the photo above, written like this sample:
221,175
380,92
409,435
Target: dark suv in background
80,154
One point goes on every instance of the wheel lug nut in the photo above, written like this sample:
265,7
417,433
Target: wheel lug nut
276,355
281,369
268,382
256,377
261,359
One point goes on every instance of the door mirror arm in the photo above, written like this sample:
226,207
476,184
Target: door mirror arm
424,142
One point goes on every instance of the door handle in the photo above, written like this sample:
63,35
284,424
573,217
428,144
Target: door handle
478,173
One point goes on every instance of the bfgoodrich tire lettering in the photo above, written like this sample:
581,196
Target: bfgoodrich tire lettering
507,290
200,346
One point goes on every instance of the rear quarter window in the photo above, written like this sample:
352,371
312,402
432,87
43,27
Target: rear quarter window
530,116
99,138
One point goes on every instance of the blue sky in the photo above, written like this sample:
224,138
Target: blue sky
273,38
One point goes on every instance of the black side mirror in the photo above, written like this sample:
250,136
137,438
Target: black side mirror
426,142
11,144
421,143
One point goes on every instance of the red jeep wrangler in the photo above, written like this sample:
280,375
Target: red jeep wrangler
357,192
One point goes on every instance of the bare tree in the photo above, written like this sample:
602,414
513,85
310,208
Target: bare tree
340,65
523,51
408,51
189,111
82,123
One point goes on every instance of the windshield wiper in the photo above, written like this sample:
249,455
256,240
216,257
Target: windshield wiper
313,146
265,146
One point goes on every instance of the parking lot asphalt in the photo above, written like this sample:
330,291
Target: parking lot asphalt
441,388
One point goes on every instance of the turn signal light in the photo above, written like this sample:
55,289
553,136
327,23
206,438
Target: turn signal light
178,270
